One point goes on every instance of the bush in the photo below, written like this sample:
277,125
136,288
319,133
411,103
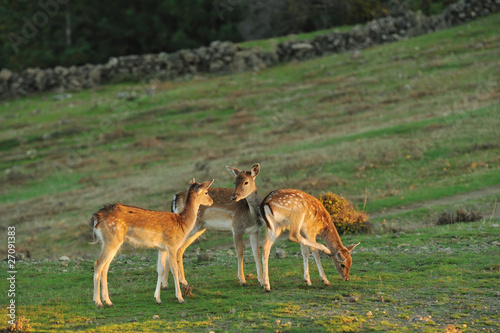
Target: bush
460,215
346,219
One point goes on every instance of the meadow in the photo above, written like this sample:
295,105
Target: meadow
405,131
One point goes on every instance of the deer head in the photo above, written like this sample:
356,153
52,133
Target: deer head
343,261
244,181
200,192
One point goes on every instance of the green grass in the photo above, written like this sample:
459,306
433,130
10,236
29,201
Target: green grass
406,131
430,272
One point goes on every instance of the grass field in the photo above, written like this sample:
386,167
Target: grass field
405,130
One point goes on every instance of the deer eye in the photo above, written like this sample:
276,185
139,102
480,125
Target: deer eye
342,265
246,183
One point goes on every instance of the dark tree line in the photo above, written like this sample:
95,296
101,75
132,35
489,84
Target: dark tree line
47,33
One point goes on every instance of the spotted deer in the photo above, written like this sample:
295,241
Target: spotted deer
306,218
116,223
235,211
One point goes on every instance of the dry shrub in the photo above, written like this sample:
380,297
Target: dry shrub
20,325
458,216
346,219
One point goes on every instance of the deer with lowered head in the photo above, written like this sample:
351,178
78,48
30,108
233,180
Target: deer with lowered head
116,224
235,211
306,218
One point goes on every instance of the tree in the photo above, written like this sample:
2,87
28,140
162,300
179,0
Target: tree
46,33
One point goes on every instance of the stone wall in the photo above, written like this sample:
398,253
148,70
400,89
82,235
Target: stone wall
226,57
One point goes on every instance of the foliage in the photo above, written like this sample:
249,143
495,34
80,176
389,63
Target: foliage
273,18
346,219
48,33
35,33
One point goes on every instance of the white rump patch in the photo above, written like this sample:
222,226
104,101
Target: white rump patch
98,234
271,220
174,204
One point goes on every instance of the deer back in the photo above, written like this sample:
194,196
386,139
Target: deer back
224,214
138,226
293,206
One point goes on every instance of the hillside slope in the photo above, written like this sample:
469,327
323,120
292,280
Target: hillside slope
394,125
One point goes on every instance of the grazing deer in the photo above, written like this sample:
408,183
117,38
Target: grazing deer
306,218
229,212
115,224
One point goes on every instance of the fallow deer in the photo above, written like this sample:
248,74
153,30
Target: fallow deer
116,223
306,218
229,212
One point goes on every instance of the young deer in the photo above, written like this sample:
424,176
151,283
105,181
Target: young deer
115,224
228,213
305,216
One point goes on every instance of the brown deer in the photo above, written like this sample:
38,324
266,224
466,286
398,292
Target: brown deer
115,224
229,212
306,218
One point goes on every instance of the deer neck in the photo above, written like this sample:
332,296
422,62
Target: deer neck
332,238
189,214
254,201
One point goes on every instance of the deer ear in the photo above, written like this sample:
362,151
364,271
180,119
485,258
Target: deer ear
202,187
208,183
339,257
255,170
351,247
192,182
232,171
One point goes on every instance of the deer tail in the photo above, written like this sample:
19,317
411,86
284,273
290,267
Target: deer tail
94,222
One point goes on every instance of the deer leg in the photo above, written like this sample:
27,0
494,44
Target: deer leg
100,273
266,250
315,253
305,256
238,244
105,293
254,241
322,274
162,269
172,260
296,237
98,266
180,254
